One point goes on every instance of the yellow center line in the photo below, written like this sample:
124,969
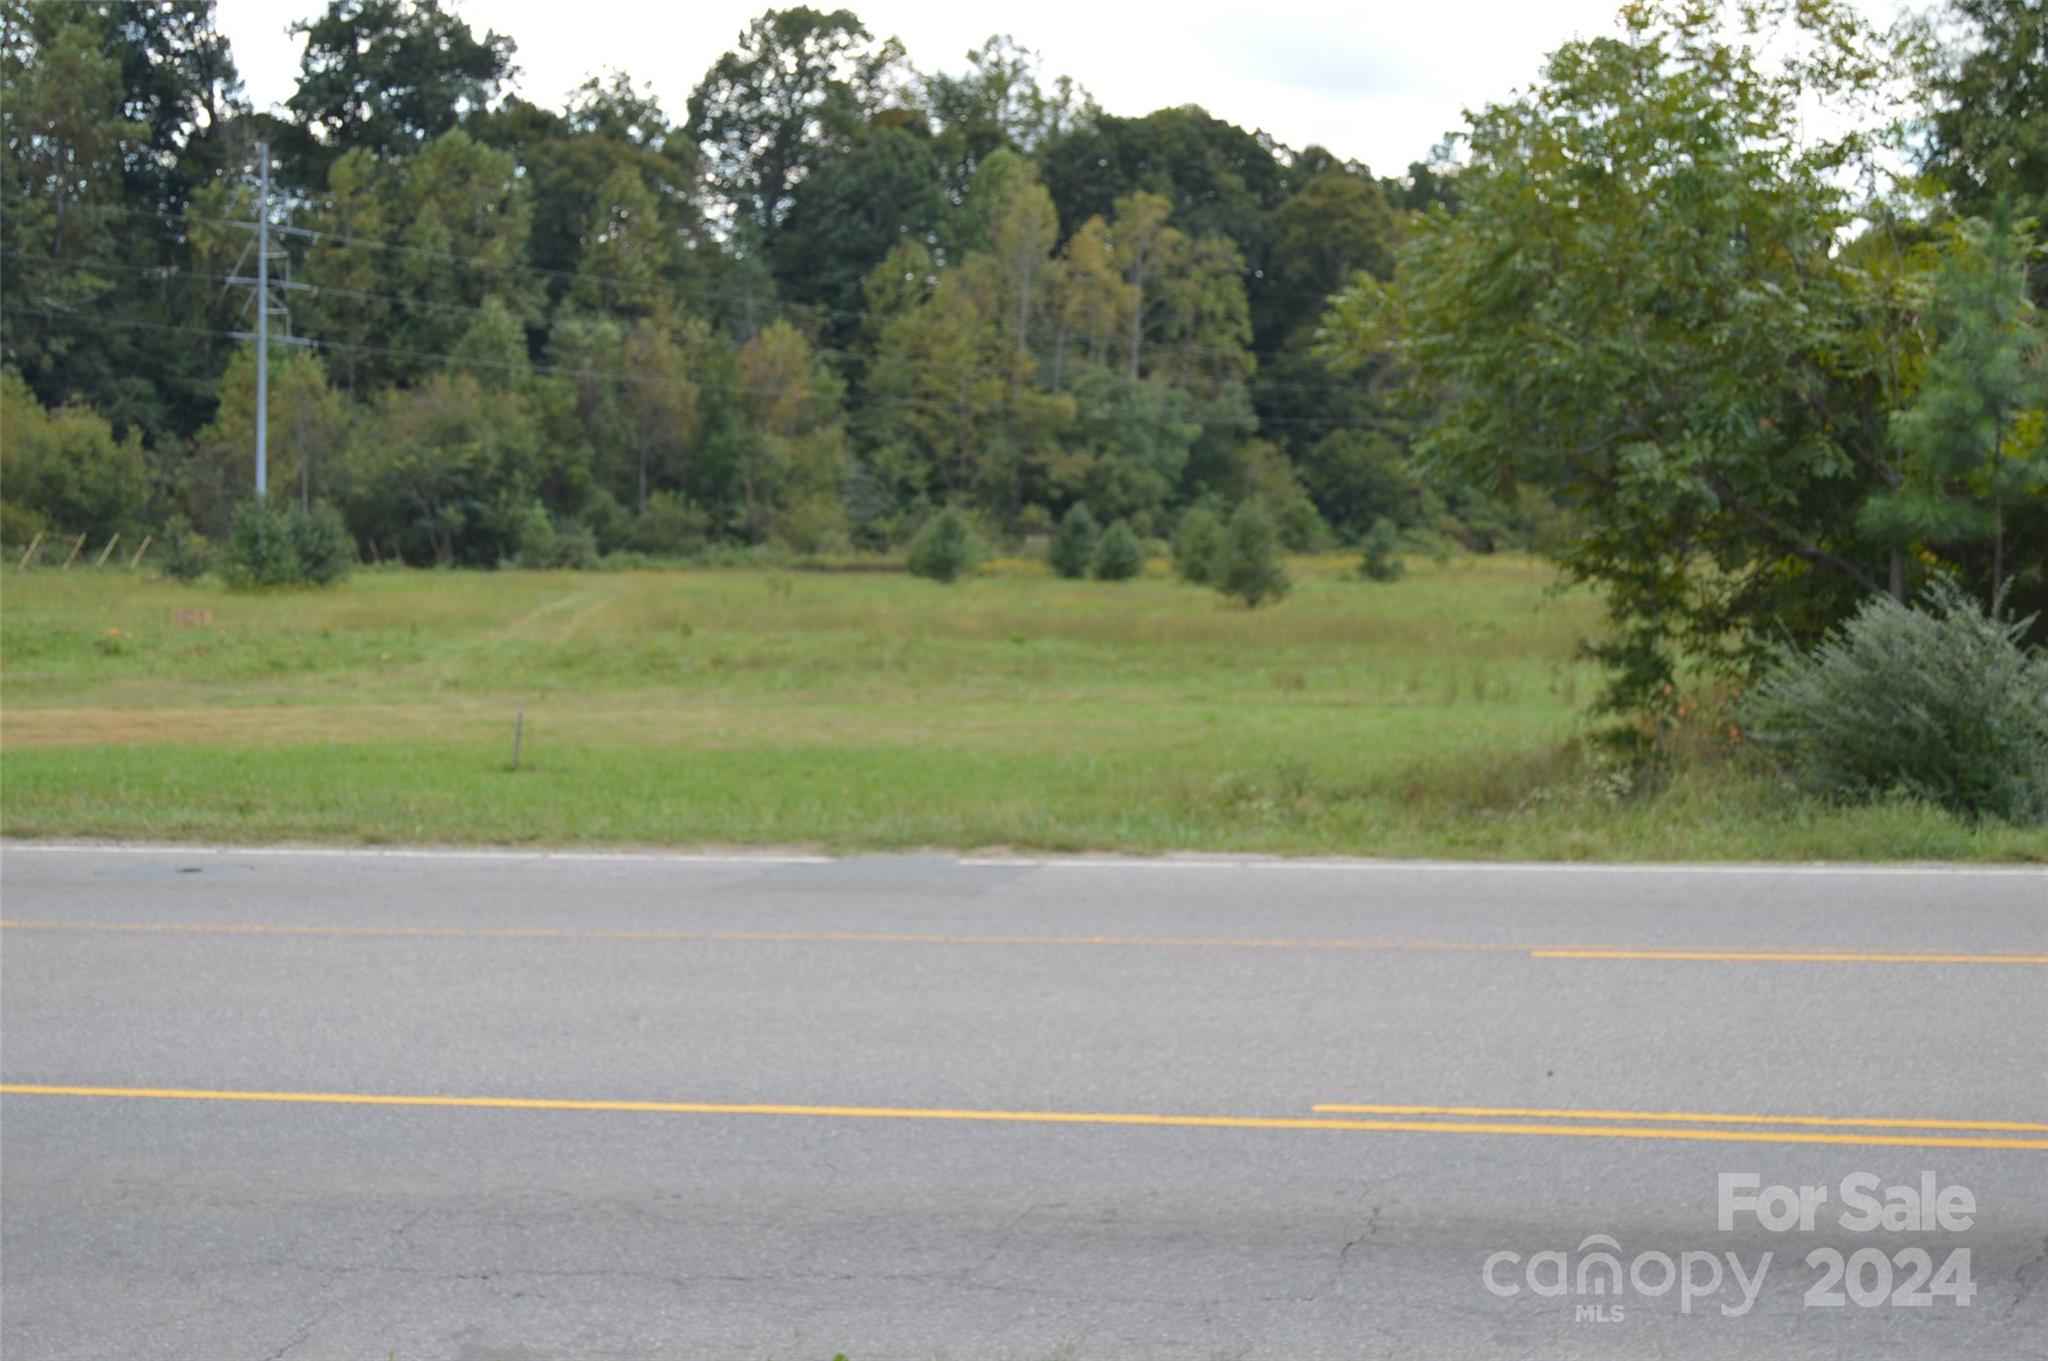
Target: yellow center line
798,937
1025,1117
1685,1117
1782,956
1534,951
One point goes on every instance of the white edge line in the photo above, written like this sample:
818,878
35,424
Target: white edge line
771,858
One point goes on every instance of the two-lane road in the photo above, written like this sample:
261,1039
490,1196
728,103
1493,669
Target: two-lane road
493,1105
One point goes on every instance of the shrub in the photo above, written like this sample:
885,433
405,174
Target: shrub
670,527
1073,543
66,466
1248,566
186,555
945,548
1118,554
322,544
1382,545
285,548
19,525
1301,526
1940,703
543,543
1197,544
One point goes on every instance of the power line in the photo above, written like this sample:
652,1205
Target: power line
617,376
665,290
1253,385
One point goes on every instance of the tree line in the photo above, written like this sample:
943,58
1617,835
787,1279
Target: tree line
1739,367
833,295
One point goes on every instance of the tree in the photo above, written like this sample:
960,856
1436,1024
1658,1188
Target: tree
386,77
1329,228
1248,566
1197,545
659,401
1073,543
1974,436
62,160
443,472
798,452
309,425
998,104
1990,114
1380,560
67,468
1118,554
850,212
1639,306
945,549
180,86
799,84
410,250
1219,179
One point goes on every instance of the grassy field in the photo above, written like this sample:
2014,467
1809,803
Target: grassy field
1437,716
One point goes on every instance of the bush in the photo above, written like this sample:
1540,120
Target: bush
285,548
1118,554
670,527
945,548
1197,545
1073,543
322,544
19,525
1248,566
186,555
544,544
1382,544
1940,703
1301,526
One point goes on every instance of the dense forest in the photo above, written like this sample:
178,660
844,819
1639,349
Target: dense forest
833,293
1639,315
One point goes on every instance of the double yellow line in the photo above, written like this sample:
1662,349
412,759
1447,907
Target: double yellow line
1984,1134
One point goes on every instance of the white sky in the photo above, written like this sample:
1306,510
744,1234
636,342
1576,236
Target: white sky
1379,82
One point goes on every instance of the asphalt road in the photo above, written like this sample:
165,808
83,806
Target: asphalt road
497,1106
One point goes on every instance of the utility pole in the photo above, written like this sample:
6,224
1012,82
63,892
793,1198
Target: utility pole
263,324
263,287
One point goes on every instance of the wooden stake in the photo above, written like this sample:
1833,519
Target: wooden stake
136,561
74,552
33,545
106,552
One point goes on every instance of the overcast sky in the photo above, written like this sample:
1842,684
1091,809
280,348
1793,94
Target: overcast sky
1379,82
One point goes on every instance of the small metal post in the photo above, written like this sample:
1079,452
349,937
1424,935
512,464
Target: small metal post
518,732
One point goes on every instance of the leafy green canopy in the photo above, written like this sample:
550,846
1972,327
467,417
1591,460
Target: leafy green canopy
1641,306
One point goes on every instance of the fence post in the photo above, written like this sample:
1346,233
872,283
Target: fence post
106,552
136,561
30,551
74,552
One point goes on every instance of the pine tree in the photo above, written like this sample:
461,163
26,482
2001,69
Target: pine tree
945,549
1118,555
1381,561
1249,567
1073,543
1969,453
1197,545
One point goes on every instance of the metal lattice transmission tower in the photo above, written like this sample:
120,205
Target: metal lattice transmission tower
266,295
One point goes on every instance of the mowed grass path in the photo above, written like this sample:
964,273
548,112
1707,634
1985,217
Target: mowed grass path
1429,717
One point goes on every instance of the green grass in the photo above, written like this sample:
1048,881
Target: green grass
1438,716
